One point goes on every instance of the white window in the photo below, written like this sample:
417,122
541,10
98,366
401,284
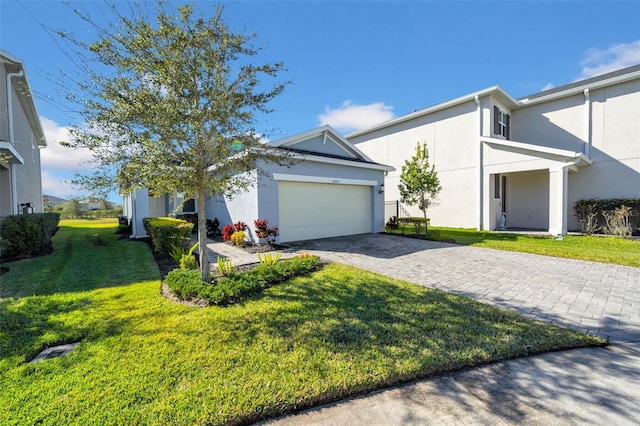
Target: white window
501,123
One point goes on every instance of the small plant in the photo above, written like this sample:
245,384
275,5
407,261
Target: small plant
617,222
238,238
213,227
303,255
188,260
269,258
227,232
225,267
392,223
265,233
240,226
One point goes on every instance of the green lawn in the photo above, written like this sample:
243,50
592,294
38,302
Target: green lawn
620,251
145,360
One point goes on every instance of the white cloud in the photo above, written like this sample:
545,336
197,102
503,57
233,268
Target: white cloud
58,157
617,56
351,117
57,186
548,86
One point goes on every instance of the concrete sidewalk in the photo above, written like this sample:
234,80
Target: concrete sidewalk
594,386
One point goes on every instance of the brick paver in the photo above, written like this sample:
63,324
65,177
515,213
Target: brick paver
600,298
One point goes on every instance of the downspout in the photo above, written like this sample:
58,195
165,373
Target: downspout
480,164
14,188
587,124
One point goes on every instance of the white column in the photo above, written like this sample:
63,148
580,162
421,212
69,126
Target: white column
14,189
558,185
140,201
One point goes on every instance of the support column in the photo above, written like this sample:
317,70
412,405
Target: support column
558,185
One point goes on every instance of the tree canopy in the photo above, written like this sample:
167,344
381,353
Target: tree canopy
170,101
419,183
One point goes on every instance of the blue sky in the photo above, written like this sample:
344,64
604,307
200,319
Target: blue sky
354,64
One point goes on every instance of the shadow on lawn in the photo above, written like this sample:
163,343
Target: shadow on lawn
25,322
389,246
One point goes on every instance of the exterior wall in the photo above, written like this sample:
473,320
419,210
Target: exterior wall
22,180
528,200
262,201
452,140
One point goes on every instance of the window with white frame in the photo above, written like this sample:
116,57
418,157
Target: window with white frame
501,123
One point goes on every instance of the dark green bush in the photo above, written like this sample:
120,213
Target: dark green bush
238,285
166,232
417,222
27,234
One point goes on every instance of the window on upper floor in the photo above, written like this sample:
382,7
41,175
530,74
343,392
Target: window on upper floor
501,123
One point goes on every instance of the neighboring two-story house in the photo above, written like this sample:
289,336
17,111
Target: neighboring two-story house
21,137
530,158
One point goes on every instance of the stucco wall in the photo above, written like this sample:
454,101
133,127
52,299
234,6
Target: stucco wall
451,137
28,176
528,199
261,202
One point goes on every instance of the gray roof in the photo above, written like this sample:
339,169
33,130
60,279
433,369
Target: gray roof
579,83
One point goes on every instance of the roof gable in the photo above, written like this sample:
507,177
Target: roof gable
324,141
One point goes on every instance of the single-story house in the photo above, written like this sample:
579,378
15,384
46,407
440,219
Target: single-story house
530,158
333,189
21,138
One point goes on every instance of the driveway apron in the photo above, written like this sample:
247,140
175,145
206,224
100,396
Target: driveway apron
598,298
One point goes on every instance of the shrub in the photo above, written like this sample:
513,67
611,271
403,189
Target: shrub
238,238
240,226
392,223
617,222
27,234
186,282
263,232
238,286
166,232
417,223
591,213
227,232
213,227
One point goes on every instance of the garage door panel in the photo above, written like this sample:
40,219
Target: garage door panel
314,210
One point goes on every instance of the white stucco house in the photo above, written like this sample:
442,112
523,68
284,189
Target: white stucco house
531,158
21,138
333,189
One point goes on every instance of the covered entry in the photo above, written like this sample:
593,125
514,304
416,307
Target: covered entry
318,210
529,183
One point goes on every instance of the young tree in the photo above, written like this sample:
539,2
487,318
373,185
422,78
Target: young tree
419,183
170,102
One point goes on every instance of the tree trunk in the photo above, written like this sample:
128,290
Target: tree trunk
426,225
202,235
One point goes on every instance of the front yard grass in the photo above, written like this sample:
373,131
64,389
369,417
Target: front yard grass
620,251
143,359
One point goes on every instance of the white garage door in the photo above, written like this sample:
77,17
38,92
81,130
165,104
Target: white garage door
318,210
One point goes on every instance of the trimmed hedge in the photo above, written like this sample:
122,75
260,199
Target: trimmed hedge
27,234
238,286
583,208
166,232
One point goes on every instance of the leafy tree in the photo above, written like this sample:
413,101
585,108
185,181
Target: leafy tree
419,183
71,208
170,100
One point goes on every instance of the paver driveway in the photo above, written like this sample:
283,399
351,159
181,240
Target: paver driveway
600,298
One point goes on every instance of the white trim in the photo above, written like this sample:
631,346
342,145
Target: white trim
339,161
567,155
320,179
6,146
580,89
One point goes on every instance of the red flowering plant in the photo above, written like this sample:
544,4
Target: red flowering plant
263,231
227,232
240,226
